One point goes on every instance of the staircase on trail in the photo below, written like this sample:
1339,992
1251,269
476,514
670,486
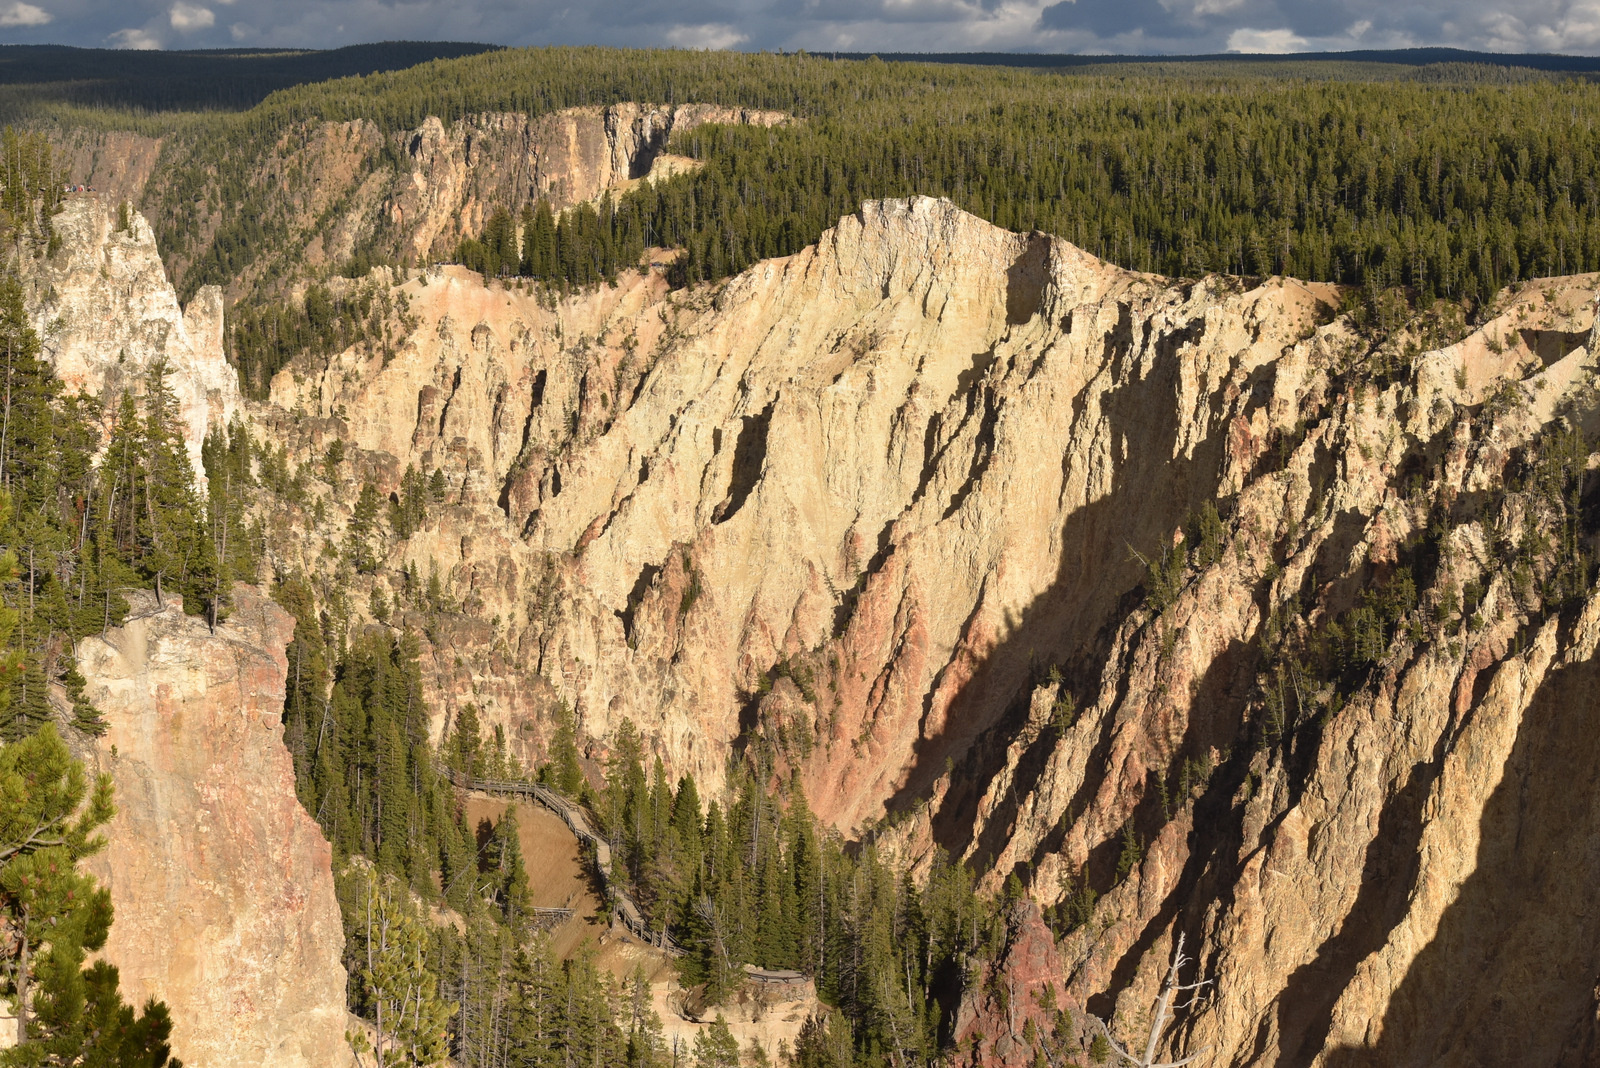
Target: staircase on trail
623,907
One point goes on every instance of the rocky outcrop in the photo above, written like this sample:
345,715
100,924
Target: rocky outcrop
116,164
839,454
221,882
1345,837
920,507
1017,1007
461,173
329,191
107,314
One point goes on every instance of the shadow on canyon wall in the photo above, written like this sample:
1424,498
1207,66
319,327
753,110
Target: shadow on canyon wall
1072,625
1512,976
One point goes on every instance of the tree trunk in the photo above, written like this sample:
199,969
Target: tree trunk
22,981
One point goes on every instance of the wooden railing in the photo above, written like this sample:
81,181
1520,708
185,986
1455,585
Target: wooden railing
622,906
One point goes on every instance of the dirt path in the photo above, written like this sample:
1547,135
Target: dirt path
558,878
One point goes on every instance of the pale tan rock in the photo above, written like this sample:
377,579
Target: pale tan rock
221,882
106,314
911,464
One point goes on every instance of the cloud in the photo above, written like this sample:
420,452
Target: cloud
1111,18
20,14
139,40
1088,26
714,36
1262,42
188,17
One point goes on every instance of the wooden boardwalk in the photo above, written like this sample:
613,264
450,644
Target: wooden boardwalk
623,909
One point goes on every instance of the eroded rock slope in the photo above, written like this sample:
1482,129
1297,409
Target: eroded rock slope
107,315
921,512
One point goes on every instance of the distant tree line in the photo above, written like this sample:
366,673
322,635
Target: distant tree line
1451,186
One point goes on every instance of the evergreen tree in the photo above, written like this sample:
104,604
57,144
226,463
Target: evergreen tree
363,538
149,505
52,915
564,772
715,1046
396,981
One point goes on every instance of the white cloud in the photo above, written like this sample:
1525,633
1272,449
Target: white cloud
20,14
140,40
714,36
186,17
1257,42
1094,26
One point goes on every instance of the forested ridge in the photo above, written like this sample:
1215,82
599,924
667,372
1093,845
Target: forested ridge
1452,181
37,79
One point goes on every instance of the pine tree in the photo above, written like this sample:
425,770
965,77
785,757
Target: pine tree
363,538
52,914
715,1046
463,754
564,771
410,1016
516,902
539,241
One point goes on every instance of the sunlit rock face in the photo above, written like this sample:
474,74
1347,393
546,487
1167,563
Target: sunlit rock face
885,503
221,882
107,314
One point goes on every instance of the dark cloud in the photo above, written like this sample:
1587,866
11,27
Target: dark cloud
1113,18
1137,26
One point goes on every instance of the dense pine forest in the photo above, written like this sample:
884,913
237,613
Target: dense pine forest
1450,181
35,77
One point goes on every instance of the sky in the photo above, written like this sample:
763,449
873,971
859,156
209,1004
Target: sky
1087,26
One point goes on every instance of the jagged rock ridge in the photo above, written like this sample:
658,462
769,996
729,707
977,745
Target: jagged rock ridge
861,501
107,314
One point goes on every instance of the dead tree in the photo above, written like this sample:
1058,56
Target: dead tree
1164,1010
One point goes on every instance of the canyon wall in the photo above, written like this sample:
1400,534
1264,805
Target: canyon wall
871,463
221,882
116,164
106,315
920,514
331,191
920,511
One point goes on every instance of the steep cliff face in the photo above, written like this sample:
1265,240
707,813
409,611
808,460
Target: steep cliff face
107,314
115,163
836,462
221,882
886,508
331,190
1379,848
